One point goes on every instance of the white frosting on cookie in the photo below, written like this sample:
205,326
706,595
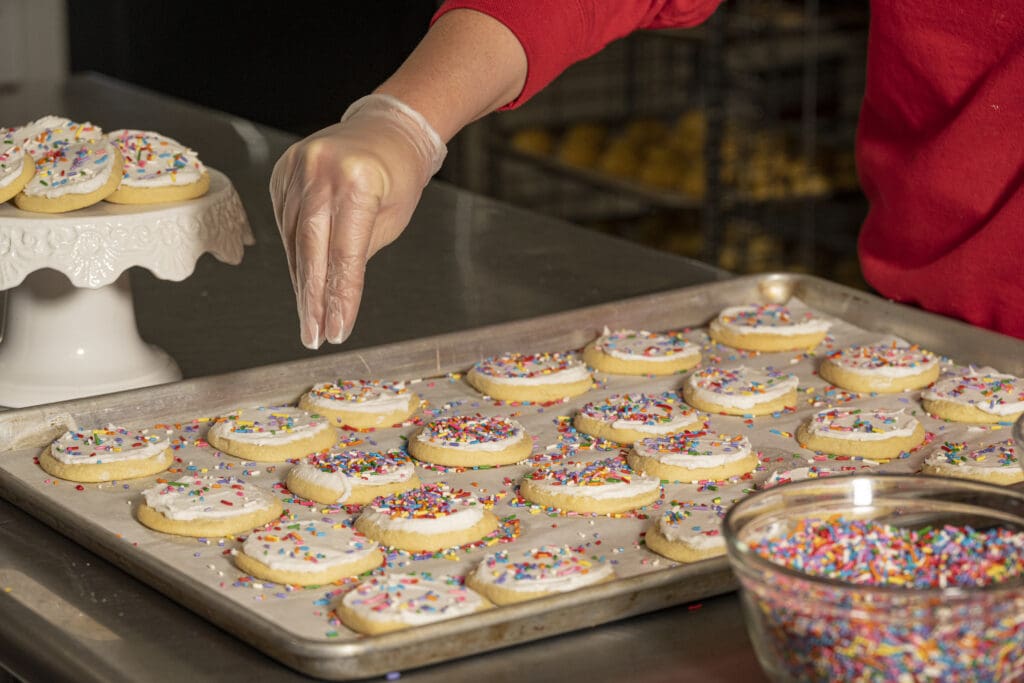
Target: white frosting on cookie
533,369
206,497
155,160
692,451
984,389
79,168
890,358
599,480
548,568
431,509
857,424
770,319
338,470
740,387
634,345
268,426
957,458
694,526
42,137
785,476
308,547
12,156
104,446
411,599
472,433
646,413
362,396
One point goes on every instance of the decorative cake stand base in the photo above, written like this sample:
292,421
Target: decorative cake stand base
70,328
68,342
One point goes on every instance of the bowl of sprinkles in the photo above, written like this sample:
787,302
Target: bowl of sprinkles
882,578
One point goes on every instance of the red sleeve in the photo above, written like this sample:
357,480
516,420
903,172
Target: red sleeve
558,33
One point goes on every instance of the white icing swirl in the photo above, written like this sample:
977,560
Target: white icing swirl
741,387
155,160
206,497
856,424
696,527
269,426
985,389
411,599
79,168
104,446
548,568
308,547
694,451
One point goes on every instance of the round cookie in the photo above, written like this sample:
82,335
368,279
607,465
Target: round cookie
156,169
42,137
271,434
995,463
602,487
741,390
432,517
393,602
785,476
471,441
976,396
352,477
362,404
638,352
630,417
767,327
874,434
207,505
693,456
72,177
540,377
309,553
110,454
506,577
16,166
886,367
688,533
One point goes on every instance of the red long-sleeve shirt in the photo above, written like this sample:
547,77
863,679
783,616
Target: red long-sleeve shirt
940,142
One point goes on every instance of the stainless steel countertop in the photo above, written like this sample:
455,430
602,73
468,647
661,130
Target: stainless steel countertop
464,261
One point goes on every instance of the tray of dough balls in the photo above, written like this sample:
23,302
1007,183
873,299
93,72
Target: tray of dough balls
382,509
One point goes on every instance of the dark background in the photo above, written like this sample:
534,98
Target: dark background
291,65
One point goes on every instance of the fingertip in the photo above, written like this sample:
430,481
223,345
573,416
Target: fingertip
310,334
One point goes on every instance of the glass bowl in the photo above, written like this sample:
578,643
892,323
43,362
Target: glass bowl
815,613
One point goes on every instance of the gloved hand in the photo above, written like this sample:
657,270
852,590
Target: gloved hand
342,194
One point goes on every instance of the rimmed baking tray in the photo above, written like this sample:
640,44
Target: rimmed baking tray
24,432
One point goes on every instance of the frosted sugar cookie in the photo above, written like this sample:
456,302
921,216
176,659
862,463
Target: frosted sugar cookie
352,477
271,434
108,454
432,517
740,391
978,396
471,441
603,487
16,167
886,367
785,476
530,377
207,505
156,169
767,327
75,166
362,404
877,434
688,533
995,463
307,553
693,456
638,352
630,417
393,602
509,576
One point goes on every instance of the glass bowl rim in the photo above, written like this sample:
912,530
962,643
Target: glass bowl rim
741,557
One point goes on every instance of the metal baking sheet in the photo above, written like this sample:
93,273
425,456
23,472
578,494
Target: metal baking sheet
295,626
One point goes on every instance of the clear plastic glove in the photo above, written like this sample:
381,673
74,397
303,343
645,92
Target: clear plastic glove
342,194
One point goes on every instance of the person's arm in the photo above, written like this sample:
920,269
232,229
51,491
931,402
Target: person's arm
348,190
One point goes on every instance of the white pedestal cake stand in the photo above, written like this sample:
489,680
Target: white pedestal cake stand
70,327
